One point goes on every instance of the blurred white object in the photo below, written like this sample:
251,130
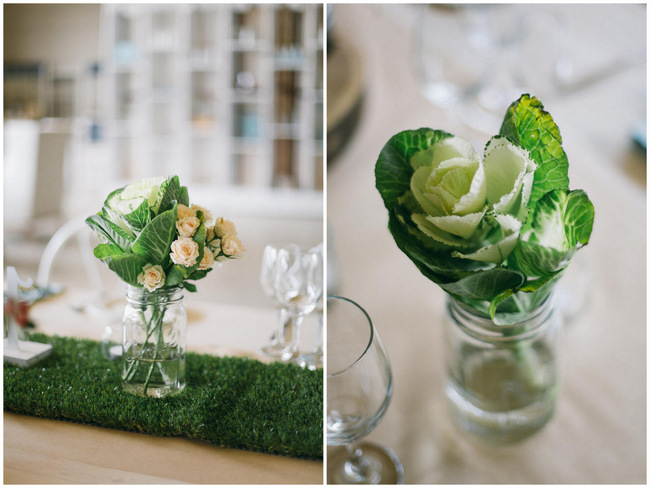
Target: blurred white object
572,294
20,153
75,227
332,263
21,353
281,337
298,285
466,58
101,296
34,161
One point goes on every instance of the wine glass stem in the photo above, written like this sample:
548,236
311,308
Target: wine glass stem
295,321
358,468
284,333
318,348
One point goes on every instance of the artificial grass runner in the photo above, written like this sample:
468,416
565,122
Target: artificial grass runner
233,402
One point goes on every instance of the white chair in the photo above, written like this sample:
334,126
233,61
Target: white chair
78,230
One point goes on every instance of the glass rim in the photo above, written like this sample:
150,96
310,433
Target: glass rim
304,248
140,293
484,329
370,340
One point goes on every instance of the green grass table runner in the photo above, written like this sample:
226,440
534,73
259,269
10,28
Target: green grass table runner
228,401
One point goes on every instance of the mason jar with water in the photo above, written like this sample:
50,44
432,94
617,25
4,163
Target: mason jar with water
502,380
153,342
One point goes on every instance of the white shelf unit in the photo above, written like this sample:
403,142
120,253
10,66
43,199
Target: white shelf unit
226,96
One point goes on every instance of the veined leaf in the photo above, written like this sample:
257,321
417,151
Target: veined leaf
527,124
117,219
513,306
154,242
561,224
127,267
496,252
103,251
536,260
438,269
109,233
191,287
184,198
199,274
139,218
176,275
485,285
393,169
169,193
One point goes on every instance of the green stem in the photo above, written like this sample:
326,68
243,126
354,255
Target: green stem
134,365
159,313
153,325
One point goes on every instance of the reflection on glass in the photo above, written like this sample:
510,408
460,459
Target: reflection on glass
359,389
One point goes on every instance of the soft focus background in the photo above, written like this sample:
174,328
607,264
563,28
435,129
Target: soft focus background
228,97
457,68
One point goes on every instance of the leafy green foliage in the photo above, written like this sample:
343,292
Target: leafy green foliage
184,197
154,241
104,251
561,224
139,218
393,174
484,285
231,402
109,232
171,193
527,124
126,266
137,226
532,227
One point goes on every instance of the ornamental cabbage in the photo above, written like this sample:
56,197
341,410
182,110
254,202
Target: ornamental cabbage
151,236
473,206
495,233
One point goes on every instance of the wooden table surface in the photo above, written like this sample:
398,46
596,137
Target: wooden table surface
44,451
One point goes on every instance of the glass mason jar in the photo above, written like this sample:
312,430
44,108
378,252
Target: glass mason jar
502,380
153,342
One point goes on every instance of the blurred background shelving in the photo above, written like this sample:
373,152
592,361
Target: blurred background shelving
229,97
231,90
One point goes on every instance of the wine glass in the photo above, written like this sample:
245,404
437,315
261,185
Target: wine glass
282,336
298,284
359,389
467,60
314,358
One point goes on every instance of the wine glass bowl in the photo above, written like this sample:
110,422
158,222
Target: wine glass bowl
359,389
296,278
282,335
269,255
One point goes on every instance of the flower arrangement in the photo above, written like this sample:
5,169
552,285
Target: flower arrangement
494,233
157,242
152,237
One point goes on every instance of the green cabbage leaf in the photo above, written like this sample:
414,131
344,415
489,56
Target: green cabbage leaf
495,234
